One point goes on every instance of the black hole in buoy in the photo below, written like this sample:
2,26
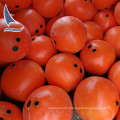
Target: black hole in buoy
85,0
90,0
17,6
112,5
15,48
41,26
28,104
54,41
89,46
106,8
8,111
33,39
94,50
18,39
106,15
1,118
117,103
37,31
36,103
13,65
80,70
75,65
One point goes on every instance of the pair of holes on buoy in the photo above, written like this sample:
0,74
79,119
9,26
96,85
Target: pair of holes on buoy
90,46
37,31
75,65
16,48
36,103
